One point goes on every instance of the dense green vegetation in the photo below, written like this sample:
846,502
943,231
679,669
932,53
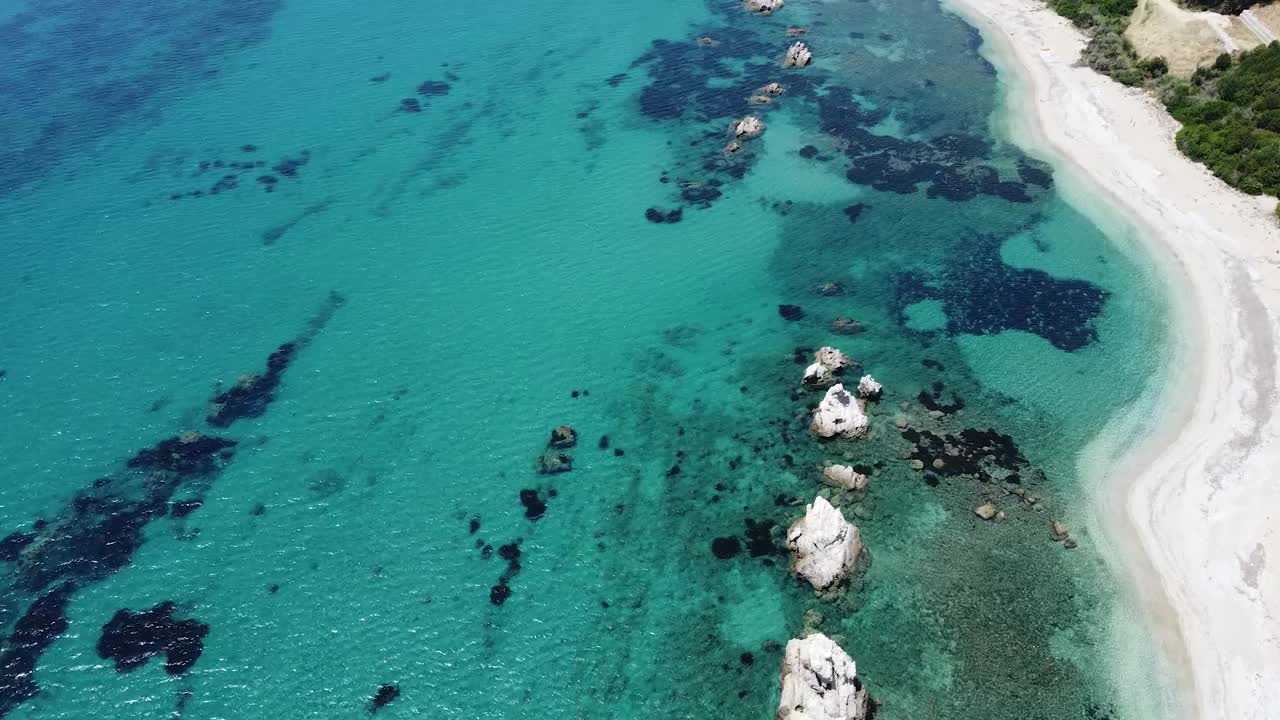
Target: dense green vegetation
1230,112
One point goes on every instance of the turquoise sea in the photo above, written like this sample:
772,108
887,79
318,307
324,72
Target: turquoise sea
429,229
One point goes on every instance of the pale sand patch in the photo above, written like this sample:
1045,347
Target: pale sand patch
1192,509
1186,39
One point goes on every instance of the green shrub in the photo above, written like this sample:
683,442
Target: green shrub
1223,62
1156,67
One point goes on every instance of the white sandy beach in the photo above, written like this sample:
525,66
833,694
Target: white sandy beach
1193,511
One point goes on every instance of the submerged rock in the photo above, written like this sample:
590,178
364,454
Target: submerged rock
844,476
796,31
840,414
564,437
824,546
986,512
763,7
798,56
748,127
846,326
869,389
820,682
385,694
553,461
773,89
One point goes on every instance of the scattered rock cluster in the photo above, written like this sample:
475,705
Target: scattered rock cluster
554,460
763,7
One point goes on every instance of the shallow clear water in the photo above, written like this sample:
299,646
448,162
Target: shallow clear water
455,274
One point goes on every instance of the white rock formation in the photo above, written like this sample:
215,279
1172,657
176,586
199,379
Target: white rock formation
868,388
817,375
764,7
748,127
798,55
827,363
840,414
820,682
843,476
832,358
772,89
824,546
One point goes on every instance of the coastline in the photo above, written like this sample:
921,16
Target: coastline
1181,501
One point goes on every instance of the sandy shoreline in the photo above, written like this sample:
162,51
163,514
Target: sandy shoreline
1190,509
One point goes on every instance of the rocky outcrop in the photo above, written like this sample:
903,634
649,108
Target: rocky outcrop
748,127
824,546
828,362
846,326
820,682
869,389
563,437
797,56
844,477
840,414
773,89
763,7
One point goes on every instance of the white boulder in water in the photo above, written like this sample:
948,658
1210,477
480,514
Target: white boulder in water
748,127
798,55
820,682
827,363
824,546
764,7
844,477
868,388
840,414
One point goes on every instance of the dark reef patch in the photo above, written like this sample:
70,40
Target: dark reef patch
187,454
79,66
854,211
984,454
433,88
726,548
985,296
43,623
12,544
654,215
131,638
791,313
534,506
272,234
953,166
410,105
500,592
183,508
252,393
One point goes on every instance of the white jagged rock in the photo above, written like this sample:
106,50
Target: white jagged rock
820,682
840,414
817,375
868,388
832,358
827,363
748,127
773,89
764,7
824,546
843,476
798,55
